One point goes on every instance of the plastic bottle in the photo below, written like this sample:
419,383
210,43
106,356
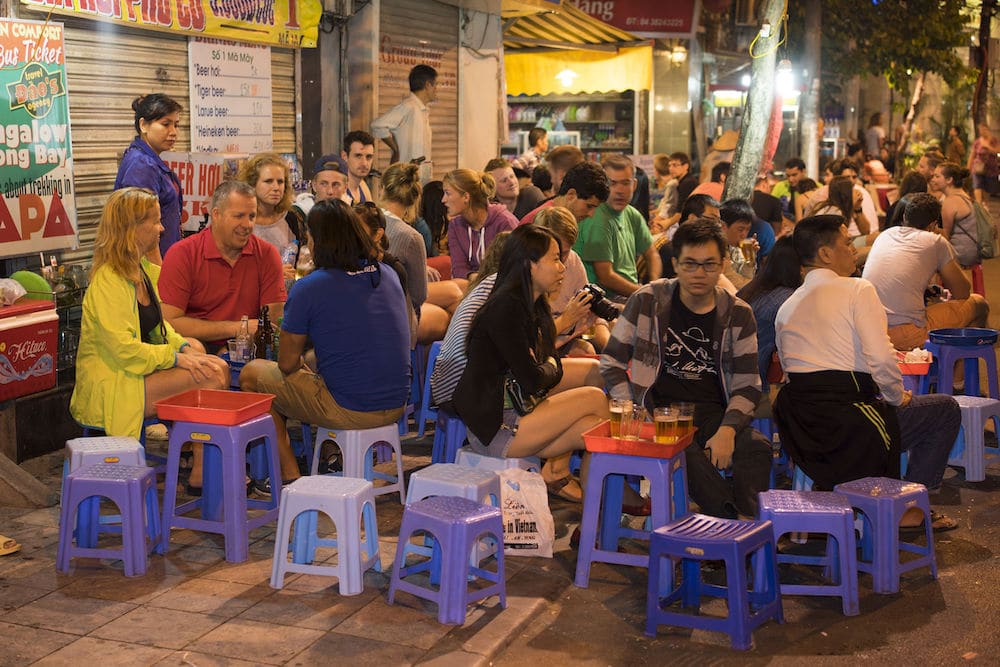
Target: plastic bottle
243,339
289,252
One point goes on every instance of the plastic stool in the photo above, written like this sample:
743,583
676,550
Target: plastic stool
457,525
94,432
883,501
348,502
449,436
427,411
978,284
87,451
224,501
801,481
451,479
817,512
133,490
943,368
355,446
602,501
969,451
695,538
470,459
413,400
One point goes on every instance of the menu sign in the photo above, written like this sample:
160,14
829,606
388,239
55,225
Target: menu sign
230,86
38,208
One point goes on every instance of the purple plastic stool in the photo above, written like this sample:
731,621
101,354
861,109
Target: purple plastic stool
224,502
695,538
449,436
969,451
883,501
457,525
133,490
943,368
668,497
817,512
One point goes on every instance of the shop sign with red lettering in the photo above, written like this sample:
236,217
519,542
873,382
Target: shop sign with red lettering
645,18
286,23
38,207
200,174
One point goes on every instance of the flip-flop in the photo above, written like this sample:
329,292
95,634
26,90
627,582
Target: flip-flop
939,524
557,488
8,546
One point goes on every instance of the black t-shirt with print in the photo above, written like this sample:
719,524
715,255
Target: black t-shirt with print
689,371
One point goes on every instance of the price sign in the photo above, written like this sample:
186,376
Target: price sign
230,96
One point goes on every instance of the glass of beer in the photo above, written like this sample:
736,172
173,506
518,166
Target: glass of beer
665,420
632,421
685,418
748,250
618,406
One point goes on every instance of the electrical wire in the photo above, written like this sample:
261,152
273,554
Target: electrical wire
783,34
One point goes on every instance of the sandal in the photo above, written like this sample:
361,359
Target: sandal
939,524
557,489
8,546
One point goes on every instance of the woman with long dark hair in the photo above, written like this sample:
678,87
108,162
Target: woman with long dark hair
843,199
779,276
157,117
514,333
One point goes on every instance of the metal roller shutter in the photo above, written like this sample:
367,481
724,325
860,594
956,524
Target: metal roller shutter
108,67
414,32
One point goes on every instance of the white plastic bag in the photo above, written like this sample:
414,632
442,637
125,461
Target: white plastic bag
528,529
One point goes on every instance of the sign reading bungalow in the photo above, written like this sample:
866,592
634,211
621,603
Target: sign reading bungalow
285,23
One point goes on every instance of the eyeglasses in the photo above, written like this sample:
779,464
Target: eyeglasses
691,266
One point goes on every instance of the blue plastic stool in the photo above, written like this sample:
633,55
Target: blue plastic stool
695,538
801,481
943,368
883,501
817,512
413,402
602,503
133,490
970,447
94,432
428,412
224,501
457,525
449,437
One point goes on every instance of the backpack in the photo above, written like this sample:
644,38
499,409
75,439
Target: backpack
985,231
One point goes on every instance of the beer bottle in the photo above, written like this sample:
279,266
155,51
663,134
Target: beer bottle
265,335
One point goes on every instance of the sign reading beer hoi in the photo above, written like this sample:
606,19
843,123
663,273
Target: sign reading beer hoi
288,23
38,209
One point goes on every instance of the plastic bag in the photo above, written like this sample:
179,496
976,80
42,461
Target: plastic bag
10,291
528,528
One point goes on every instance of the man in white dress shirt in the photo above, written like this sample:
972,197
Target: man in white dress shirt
844,413
406,128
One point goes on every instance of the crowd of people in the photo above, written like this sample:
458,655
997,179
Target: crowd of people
554,283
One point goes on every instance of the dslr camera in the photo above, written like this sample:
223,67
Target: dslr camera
600,305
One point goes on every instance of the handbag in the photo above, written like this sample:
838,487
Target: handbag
522,402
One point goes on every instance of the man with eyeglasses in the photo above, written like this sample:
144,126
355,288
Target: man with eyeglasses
616,235
687,339
901,264
844,414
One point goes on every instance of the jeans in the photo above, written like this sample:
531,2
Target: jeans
751,468
928,428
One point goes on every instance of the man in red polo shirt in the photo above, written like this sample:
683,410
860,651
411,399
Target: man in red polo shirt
215,277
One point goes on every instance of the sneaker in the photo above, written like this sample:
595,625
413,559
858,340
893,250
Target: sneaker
262,487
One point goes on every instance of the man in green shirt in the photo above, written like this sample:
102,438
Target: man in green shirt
616,234
784,190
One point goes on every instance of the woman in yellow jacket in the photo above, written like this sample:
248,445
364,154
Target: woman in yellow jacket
129,356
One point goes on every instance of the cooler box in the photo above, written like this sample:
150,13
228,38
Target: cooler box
29,342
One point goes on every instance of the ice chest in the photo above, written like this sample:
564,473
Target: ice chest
29,342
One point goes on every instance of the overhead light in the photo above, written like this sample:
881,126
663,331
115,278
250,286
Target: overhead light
678,55
785,78
567,77
745,80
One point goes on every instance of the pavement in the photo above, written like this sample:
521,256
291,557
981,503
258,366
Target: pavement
194,608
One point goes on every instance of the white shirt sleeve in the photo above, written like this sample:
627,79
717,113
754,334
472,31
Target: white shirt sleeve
390,121
871,326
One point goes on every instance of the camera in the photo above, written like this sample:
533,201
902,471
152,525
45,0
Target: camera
600,305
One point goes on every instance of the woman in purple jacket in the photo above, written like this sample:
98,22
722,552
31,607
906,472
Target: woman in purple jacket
157,118
474,219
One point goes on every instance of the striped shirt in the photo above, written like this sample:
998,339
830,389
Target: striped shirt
452,358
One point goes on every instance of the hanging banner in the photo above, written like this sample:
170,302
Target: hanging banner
230,89
200,174
287,23
38,208
643,18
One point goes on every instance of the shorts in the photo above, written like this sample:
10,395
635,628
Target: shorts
498,446
303,396
944,315
983,182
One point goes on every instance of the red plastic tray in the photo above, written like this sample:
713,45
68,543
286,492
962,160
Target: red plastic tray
920,368
212,406
598,439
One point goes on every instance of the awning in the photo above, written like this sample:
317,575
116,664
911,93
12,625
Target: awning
598,57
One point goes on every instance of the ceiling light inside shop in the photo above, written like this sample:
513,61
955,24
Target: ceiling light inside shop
567,77
678,55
